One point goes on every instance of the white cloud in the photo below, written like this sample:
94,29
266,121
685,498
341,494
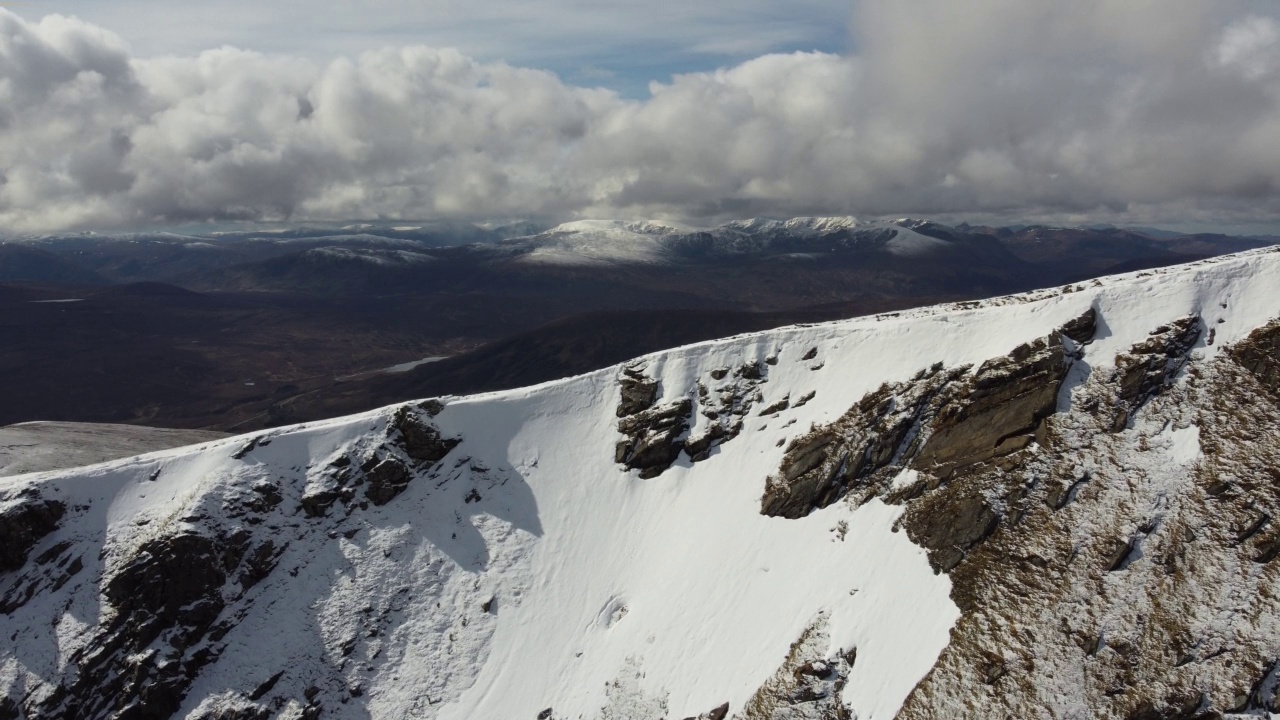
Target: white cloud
1111,109
1252,46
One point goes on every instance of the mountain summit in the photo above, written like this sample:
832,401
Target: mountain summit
1056,504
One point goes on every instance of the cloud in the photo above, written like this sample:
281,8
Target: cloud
1151,110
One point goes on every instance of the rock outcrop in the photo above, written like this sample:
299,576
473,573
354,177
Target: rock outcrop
849,455
1260,355
1151,366
25,518
1099,566
653,437
998,410
808,683
940,423
725,400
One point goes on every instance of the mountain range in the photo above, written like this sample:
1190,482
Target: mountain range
233,330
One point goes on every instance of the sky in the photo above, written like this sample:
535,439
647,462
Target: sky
620,45
133,113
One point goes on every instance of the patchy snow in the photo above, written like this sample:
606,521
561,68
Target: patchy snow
372,257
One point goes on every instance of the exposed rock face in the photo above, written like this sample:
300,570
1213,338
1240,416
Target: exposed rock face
807,686
169,601
882,429
941,423
1260,355
421,440
387,478
655,434
1151,366
725,401
1095,571
653,437
24,520
639,392
164,600
411,441
1134,571
999,409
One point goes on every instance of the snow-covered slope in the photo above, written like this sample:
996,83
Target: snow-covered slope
39,446
682,536
609,242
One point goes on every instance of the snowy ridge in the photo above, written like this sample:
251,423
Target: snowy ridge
523,572
604,242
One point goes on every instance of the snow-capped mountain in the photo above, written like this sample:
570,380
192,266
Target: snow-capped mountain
596,242
1057,504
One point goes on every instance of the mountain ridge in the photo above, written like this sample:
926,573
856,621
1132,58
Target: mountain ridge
603,546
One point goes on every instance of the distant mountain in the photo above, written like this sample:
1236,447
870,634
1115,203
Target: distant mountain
271,320
1079,252
25,264
1053,504
367,257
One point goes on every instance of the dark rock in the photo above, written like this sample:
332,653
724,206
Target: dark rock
317,503
820,466
267,496
1265,693
1252,528
998,411
1151,366
805,398
652,437
751,370
969,520
719,713
811,354
1260,355
166,598
420,440
1121,551
1082,330
431,408
545,714
166,576
1059,495
639,393
24,524
720,373
245,449
1268,550
777,407
387,479
259,563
